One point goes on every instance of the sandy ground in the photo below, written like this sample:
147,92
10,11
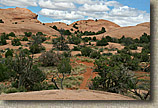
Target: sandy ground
64,95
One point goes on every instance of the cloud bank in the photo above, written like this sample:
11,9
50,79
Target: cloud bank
70,10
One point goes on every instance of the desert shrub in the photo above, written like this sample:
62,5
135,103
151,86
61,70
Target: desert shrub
86,51
76,48
133,47
67,32
55,27
16,42
94,38
116,79
1,21
107,54
3,40
27,74
63,67
60,43
145,38
74,40
11,90
95,54
36,48
4,35
49,58
9,53
66,54
11,34
102,42
25,39
42,86
39,34
28,34
75,26
5,72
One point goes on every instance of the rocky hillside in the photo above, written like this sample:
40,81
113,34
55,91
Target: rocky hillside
20,20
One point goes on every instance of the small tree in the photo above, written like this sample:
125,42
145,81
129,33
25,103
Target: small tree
64,67
102,42
49,58
86,51
27,74
3,40
9,53
28,34
60,43
11,34
1,21
16,42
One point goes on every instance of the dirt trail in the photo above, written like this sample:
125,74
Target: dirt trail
87,75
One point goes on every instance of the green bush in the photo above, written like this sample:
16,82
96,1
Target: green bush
11,34
95,54
76,48
4,72
35,48
16,42
3,40
49,58
11,90
28,34
39,34
25,39
86,51
1,21
94,38
9,53
102,42
74,40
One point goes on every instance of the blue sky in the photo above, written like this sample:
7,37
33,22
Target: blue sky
122,12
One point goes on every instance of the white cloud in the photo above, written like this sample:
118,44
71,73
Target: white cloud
94,8
63,15
56,5
70,10
19,3
65,21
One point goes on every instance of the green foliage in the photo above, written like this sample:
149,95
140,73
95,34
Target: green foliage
49,58
67,32
94,38
36,48
76,48
3,40
16,42
60,43
74,40
95,54
28,34
86,51
9,53
11,90
64,66
145,38
55,27
1,21
5,72
75,26
11,34
39,34
25,39
27,74
116,79
102,42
